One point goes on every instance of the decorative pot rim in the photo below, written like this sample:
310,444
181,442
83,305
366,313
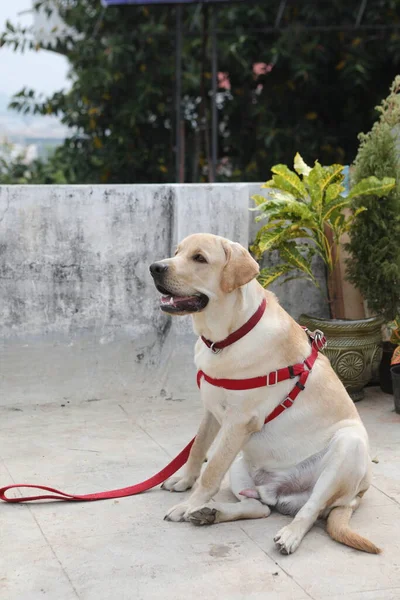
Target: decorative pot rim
365,325
344,322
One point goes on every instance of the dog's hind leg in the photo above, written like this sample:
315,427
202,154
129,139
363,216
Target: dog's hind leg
247,508
345,466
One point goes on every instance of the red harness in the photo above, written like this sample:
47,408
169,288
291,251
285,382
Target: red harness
300,370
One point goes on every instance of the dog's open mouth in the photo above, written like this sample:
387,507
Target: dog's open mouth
179,304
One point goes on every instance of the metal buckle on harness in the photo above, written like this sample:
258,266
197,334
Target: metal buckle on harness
320,339
215,350
269,384
287,399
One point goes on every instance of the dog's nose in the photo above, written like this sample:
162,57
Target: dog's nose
158,268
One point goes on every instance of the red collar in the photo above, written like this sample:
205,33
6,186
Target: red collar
239,333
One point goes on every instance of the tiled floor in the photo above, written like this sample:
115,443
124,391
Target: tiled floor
123,549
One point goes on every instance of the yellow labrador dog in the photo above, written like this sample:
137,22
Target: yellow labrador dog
312,460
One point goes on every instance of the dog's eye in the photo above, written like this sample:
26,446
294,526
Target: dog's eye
199,258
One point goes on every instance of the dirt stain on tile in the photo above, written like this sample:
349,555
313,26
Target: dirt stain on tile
219,550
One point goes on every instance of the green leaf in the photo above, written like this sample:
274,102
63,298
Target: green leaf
289,209
287,180
259,200
285,196
333,191
274,238
316,195
314,187
275,198
300,276
349,222
270,225
336,205
320,179
316,174
269,240
359,210
332,174
300,166
338,225
291,254
372,186
268,184
270,274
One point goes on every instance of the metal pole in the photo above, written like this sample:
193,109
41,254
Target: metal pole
279,15
178,92
361,11
214,109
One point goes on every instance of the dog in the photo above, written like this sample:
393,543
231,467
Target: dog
310,462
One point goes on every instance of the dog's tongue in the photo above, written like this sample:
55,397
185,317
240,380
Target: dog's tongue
177,301
183,304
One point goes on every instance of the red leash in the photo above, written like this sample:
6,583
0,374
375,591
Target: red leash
160,477
301,370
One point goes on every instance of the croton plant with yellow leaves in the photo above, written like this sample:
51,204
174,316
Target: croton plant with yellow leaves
304,213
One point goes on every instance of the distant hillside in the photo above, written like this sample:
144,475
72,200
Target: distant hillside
45,146
18,128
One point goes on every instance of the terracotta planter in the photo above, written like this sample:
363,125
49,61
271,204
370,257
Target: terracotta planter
354,349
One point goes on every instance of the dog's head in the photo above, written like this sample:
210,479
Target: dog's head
204,268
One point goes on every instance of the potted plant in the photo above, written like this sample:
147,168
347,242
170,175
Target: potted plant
377,274
304,210
394,327
390,355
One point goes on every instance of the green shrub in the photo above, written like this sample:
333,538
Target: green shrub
374,263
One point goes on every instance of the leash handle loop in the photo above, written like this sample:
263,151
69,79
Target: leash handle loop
60,496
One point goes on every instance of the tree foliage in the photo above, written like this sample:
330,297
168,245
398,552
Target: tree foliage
374,264
50,171
316,91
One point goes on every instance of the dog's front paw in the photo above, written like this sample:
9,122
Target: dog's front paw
177,513
204,515
178,484
288,538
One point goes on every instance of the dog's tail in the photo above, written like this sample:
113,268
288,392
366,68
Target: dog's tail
339,530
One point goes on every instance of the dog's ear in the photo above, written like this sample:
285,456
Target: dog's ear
240,267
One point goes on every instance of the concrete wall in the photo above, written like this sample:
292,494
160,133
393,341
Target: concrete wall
74,259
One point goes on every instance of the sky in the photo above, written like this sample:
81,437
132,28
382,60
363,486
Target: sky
42,71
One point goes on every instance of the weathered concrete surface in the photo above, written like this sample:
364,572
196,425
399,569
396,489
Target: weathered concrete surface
123,549
74,259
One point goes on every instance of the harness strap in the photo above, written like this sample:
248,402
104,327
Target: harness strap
268,380
289,400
